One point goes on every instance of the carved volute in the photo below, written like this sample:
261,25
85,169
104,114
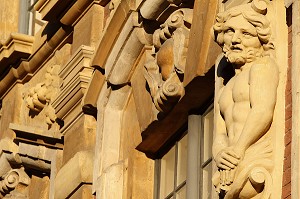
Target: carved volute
13,184
245,103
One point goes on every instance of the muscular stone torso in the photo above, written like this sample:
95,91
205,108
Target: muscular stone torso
234,104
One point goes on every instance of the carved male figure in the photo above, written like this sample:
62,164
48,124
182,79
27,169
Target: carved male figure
245,103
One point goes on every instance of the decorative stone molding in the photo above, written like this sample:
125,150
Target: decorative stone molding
246,95
17,46
33,149
13,179
165,65
12,184
111,33
24,71
26,151
76,76
54,8
153,9
41,96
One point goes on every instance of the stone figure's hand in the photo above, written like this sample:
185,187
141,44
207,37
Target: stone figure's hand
239,152
227,159
226,178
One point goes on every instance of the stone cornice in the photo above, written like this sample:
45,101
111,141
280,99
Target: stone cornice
32,149
76,11
68,12
76,75
16,47
51,8
25,70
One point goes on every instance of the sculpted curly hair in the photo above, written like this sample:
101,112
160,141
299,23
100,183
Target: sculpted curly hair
259,21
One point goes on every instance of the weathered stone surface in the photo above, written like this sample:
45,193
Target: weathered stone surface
142,98
200,60
84,128
84,191
11,110
41,184
8,20
88,30
75,172
111,33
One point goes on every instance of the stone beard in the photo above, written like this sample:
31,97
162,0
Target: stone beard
241,58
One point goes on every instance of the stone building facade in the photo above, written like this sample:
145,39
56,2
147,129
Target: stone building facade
117,99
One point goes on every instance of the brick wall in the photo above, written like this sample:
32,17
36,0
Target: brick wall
286,181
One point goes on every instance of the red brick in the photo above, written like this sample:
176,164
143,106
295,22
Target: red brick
288,98
290,29
287,163
288,87
288,138
286,190
290,35
290,51
290,62
287,151
288,125
288,197
288,110
286,177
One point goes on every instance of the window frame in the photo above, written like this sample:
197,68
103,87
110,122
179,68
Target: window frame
27,17
157,179
195,155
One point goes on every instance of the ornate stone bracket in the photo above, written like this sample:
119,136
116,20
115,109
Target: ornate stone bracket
165,65
40,96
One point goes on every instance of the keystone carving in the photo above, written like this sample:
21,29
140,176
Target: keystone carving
245,102
13,183
40,96
165,65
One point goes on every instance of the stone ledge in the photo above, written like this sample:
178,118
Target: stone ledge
159,136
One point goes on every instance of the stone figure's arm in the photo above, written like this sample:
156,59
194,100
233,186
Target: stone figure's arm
221,138
224,155
263,81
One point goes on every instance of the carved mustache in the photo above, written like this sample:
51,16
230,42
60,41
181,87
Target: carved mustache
236,47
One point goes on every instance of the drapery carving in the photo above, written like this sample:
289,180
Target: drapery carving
165,65
244,103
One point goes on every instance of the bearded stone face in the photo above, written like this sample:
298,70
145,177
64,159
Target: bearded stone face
241,43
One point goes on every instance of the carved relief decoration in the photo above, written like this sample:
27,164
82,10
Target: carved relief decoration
244,103
12,184
40,96
165,64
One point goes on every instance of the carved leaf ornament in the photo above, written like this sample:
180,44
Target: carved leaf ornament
40,96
